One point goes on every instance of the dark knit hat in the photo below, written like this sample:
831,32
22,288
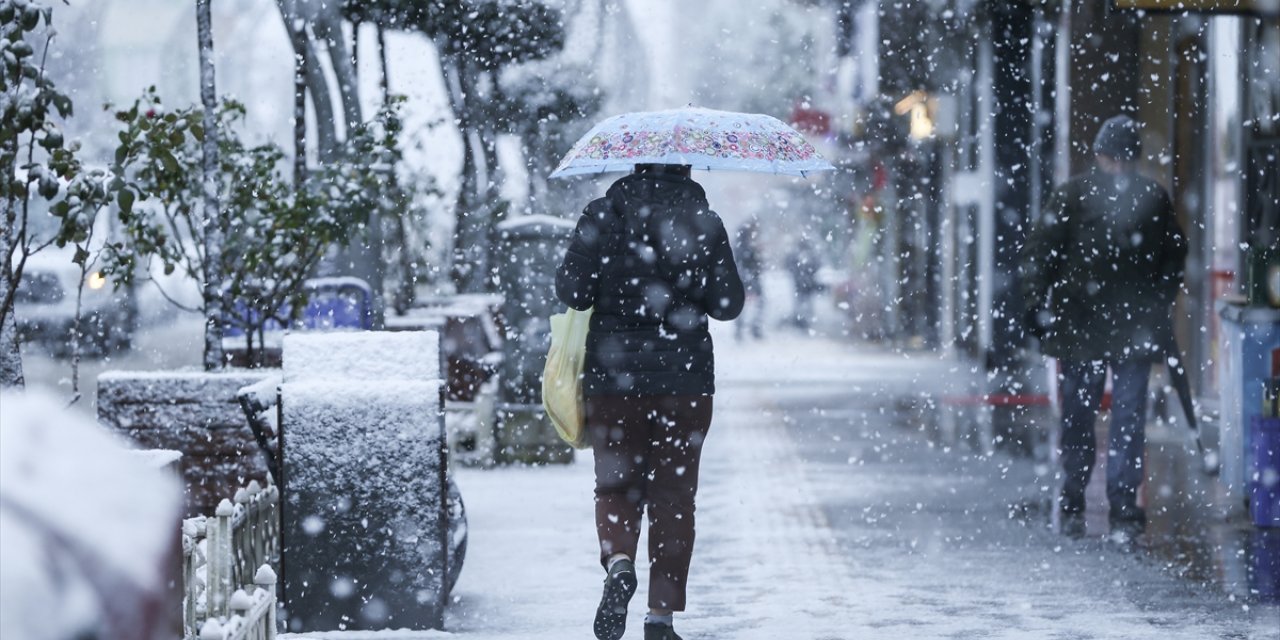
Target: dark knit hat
1118,138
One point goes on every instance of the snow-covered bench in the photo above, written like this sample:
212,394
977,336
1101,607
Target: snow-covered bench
363,462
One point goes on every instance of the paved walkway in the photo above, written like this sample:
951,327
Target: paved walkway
826,513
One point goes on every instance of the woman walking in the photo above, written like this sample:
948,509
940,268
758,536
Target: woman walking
654,261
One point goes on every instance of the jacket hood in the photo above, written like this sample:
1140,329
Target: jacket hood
637,190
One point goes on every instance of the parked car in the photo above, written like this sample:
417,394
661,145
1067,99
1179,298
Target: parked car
334,303
45,309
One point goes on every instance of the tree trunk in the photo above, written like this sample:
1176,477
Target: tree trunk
328,27
10,239
10,351
382,63
317,85
471,230
364,258
326,120
298,39
212,223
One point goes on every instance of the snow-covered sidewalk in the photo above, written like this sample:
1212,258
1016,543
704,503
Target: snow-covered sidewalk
876,535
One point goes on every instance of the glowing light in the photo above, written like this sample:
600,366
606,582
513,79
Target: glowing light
97,280
921,123
918,107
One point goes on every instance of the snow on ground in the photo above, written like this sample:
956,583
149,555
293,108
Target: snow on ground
888,538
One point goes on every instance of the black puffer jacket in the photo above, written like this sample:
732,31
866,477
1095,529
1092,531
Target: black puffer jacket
654,261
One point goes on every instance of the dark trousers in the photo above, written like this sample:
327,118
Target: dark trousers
647,450
1083,383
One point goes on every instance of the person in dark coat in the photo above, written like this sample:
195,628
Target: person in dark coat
654,262
746,247
1100,272
804,264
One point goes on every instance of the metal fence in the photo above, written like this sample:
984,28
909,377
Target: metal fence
229,588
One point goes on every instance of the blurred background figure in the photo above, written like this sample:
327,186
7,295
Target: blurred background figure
746,249
1101,271
803,263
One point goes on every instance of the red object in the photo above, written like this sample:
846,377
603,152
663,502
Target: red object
880,178
1000,400
810,120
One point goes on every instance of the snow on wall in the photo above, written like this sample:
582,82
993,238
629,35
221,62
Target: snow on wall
363,355
87,526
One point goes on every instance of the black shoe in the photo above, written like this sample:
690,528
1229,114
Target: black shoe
1127,524
659,632
1128,527
1132,518
1073,524
611,615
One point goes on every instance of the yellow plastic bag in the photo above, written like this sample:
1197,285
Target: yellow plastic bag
562,377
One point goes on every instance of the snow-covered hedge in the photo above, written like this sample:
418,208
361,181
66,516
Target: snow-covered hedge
363,459
195,413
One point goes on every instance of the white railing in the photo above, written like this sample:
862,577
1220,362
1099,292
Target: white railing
228,584
253,614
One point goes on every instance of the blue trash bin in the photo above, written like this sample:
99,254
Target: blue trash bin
1264,485
1264,568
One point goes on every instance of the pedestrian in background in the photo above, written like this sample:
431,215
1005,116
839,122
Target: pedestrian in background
654,261
803,263
746,248
1100,272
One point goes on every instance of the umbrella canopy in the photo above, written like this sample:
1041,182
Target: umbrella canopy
702,138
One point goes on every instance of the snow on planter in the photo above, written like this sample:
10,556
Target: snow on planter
363,461
87,526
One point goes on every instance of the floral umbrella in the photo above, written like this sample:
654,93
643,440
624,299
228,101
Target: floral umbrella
703,138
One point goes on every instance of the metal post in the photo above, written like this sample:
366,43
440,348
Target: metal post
442,436
1062,96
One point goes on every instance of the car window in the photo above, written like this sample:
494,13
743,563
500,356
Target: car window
39,287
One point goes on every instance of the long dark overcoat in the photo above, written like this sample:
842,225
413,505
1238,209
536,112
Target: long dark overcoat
1103,266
